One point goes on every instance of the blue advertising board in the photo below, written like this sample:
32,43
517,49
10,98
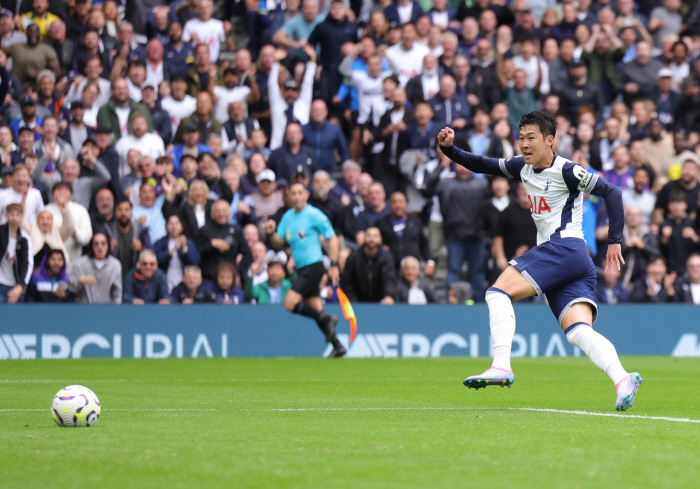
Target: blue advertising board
80,331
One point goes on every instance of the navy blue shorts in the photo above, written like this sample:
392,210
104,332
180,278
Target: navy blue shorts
562,269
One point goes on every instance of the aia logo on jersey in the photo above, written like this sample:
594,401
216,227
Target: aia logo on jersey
538,205
301,234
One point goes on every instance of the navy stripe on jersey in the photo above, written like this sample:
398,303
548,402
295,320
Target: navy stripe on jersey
567,211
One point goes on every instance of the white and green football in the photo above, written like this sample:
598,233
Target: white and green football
75,406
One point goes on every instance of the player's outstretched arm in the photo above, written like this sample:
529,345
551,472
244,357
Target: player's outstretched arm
616,214
475,163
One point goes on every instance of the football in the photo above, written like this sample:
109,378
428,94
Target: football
75,406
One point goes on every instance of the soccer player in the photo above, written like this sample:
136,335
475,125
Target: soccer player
301,227
559,266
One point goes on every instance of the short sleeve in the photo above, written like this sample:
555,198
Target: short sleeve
323,225
577,179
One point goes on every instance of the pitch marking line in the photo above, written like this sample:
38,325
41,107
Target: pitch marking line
174,381
525,409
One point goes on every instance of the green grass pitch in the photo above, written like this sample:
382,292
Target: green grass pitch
375,423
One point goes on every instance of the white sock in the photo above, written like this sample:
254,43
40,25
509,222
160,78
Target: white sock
502,321
600,351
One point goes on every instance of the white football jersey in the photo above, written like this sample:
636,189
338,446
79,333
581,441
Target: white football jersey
555,194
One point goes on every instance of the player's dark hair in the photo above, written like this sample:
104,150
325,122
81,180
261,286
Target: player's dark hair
676,196
546,123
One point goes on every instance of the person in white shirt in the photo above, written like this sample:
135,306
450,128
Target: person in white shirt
411,288
292,105
406,57
135,79
146,143
154,62
232,91
532,65
82,228
369,84
178,105
19,192
93,72
205,30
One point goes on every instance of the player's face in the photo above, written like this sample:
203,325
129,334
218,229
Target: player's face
533,145
299,196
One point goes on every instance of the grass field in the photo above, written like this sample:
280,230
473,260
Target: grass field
279,423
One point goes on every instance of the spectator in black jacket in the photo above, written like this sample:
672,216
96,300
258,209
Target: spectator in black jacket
609,288
49,284
403,234
321,199
210,172
146,284
16,257
657,286
174,252
411,289
161,119
369,274
688,286
677,237
220,241
286,159
109,157
193,289
481,140
460,200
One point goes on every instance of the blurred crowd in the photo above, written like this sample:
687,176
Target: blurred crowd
143,143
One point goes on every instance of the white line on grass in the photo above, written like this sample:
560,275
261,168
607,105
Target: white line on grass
444,408
174,381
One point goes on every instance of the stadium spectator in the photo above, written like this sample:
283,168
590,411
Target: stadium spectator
579,91
369,274
403,234
622,173
688,183
257,273
131,238
515,232
480,139
411,289
459,204
193,289
426,85
322,200
346,187
62,193
273,289
16,256
237,129
46,237
242,209
202,118
611,290
658,146
677,236
406,57
639,195
21,191
375,209
149,213
103,219
232,89
637,78
119,112
324,138
226,288
220,241
146,284
688,286
174,252
292,154
450,108
193,209
141,139
49,283
385,165
160,119
656,286
32,57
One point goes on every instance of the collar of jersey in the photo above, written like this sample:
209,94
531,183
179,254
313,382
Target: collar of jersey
540,170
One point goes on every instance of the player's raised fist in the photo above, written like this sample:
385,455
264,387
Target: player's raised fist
446,137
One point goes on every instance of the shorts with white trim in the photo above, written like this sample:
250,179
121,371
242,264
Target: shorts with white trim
562,269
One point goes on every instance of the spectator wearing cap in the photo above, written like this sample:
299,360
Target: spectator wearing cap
177,55
637,78
93,74
579,92
369,274
193,289
108,155
219,241
324,138
118,113
178,104
403,234
76,132
292,104
62,193
21,191
267,200
30,58
146,284
272,290
237,130
202,118
411,288
668,102
160,118
233,90
190,145
321,198
175,251
27,118
293,153
141,139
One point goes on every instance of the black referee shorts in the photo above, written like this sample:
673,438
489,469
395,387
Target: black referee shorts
308,279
